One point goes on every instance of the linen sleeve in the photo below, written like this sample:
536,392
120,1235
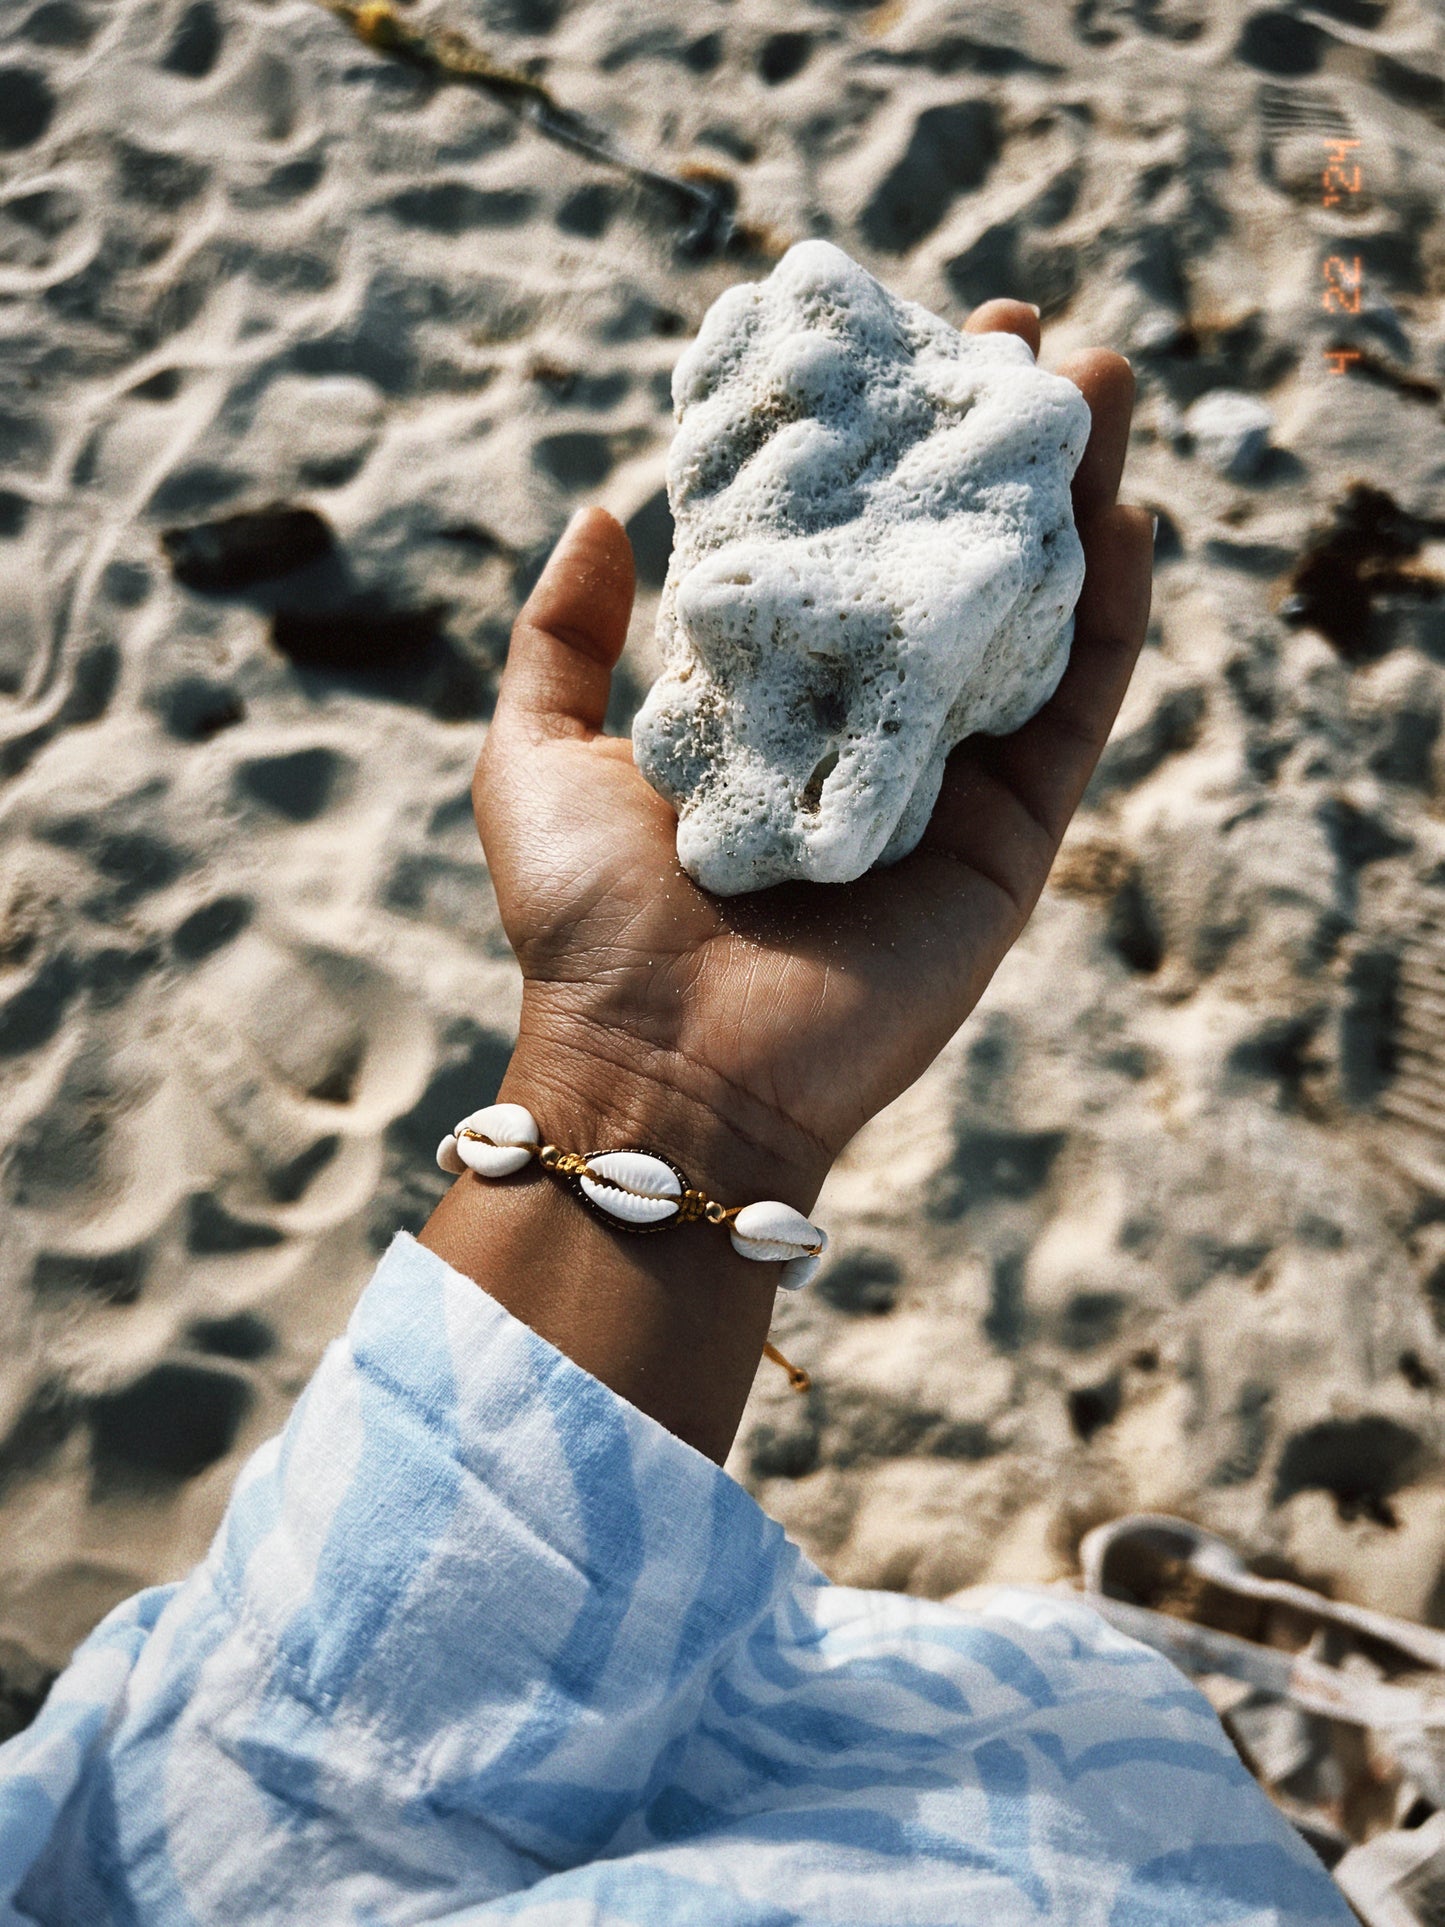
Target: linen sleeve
479,1642
452,1616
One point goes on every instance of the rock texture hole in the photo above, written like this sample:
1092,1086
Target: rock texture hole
812,796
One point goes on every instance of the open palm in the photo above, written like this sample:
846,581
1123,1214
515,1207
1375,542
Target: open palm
805,1008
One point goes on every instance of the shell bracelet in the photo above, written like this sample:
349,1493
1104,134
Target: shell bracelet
636,1190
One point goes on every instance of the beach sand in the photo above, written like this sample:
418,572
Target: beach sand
1164,1226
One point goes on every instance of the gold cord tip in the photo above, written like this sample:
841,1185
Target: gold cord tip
797,1377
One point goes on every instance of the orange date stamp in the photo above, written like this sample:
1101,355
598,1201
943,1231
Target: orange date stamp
1340,183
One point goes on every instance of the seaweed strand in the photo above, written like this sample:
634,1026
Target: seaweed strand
702,201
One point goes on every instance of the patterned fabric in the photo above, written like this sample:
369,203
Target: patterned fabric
479,1642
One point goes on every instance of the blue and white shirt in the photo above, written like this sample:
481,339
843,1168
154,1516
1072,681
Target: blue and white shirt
479,1642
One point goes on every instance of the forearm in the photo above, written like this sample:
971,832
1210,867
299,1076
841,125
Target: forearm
674,1320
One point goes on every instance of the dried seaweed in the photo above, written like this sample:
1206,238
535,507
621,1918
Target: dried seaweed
704,198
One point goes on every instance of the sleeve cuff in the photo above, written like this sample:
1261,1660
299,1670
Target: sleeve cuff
445,1463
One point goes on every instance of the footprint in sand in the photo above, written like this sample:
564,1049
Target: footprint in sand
949,151
196,42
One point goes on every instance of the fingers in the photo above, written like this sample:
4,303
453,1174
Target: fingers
1107,382
570,631
1006,317
1047,764
1006,801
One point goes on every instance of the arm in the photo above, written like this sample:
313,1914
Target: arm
475,1625
749,1038
673,1321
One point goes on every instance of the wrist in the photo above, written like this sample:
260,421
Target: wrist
675,1324
591,1089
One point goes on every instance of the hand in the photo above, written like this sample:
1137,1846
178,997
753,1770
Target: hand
797,1012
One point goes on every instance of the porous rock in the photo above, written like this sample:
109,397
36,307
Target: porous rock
875,556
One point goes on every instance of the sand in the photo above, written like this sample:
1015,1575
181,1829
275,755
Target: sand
1165,1224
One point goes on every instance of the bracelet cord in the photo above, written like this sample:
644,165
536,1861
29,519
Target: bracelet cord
695,1204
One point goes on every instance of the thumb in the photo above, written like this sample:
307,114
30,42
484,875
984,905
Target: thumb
570,631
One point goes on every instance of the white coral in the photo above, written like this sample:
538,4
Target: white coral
874,557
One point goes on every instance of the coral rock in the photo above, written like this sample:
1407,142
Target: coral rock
875,556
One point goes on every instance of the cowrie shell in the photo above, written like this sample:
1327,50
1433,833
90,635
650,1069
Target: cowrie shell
797,1272
448,1158
653,1190
770,1230
509,1126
